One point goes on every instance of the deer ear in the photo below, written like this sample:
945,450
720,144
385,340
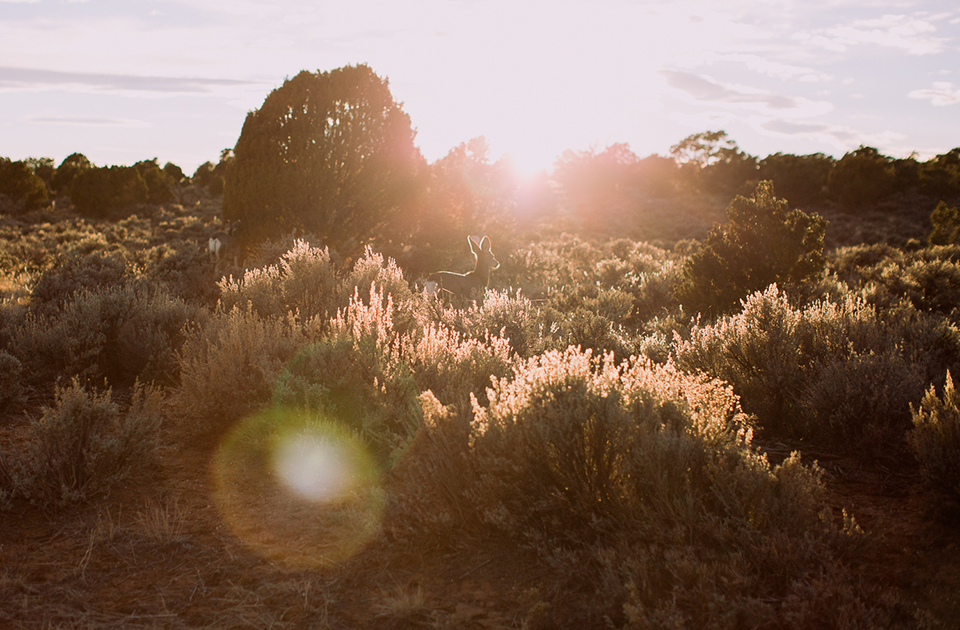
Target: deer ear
485,243
473,244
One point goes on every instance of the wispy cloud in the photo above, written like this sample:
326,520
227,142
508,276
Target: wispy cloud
942,93
913,34
90,121
30,79
703,88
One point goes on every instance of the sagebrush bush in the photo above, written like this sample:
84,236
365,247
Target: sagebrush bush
935,440
229,367
85,444
76,272
639,479
11,387
834,374
304,281
121,333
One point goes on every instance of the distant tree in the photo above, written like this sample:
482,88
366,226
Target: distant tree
946,225
156,181
43,167
940,176
100,192
862,178
657,175
331,153
67,172
761,243
800,179
465,193
174,173
713,162
596,186
21,188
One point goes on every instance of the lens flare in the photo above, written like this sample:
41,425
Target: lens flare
297,488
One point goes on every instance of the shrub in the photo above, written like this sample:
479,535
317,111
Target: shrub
74,272
354,383
638,479
122,334
85,445
935,440
229,367
761,244
834,374
11,387
946,225
304,282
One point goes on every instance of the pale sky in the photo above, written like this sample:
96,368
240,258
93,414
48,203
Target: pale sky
126,80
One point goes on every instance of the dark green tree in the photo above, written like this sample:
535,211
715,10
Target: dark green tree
800,178
21,187
100,192
946,225
331,153
712,162
862,178
761,243
156,181
67,172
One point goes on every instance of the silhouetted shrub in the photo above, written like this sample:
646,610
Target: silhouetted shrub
935,440
156,181
101,192
67,172
760,244
85,445
800,179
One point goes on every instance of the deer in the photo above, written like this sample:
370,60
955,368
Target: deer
470,285
224,243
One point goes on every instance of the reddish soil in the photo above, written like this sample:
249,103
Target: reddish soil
160,555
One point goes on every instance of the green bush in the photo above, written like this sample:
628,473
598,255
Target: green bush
85,445
229,367
120,334
352,382
935,440
761,244
639,480
837,375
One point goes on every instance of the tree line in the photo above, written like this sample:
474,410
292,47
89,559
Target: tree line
333,153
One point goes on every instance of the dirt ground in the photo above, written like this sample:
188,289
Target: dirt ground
160,554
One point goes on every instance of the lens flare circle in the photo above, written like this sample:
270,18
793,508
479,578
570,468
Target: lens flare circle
298,488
